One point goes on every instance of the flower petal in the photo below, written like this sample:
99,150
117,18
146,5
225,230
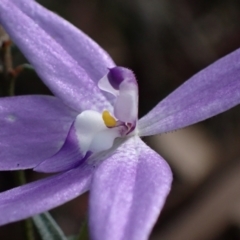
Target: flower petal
128,192
43,195
210,92
32,128
122,83
89,55
68,157
44,39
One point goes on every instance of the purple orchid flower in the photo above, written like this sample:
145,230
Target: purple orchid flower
92,135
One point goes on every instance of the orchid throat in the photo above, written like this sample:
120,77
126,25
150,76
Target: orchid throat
97,131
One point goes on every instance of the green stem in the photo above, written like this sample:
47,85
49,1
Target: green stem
6,58
83,234
29,230
11,90
12,78
28,224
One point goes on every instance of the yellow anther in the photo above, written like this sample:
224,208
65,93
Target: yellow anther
109,120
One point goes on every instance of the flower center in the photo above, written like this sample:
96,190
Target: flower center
95,131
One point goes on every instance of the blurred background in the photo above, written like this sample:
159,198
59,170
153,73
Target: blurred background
164,42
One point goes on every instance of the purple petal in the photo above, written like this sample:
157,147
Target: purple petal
89,55
43,195
68,157
210,92
52,46
128,192
32,128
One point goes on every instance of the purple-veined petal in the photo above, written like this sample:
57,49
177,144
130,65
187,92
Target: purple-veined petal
89,55
43,195
68,157
32,128
128,192
36,32
213,90
122,83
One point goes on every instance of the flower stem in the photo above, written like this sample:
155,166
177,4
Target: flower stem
6,59
83,234
28,224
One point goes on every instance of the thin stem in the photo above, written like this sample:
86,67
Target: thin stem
29,230
13,74
28,224
6,59
83,234
11,90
